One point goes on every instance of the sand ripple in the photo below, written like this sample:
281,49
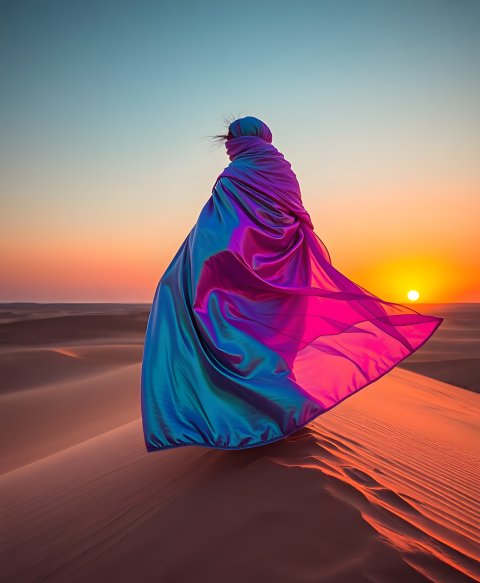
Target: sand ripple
383,488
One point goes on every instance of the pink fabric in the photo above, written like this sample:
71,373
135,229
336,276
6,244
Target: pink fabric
253,332
335,336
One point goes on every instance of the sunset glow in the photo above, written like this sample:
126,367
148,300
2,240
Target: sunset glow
103,176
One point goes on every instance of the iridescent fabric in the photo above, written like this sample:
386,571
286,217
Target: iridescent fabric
253,333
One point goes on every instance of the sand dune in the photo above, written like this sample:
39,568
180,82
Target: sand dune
68,373
27,369
464,372
72,329
457,338
453,354
63,325
17,312
383,488
39,422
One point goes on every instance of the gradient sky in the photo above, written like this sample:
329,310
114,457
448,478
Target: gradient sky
104,105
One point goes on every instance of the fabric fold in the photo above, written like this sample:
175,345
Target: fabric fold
253,333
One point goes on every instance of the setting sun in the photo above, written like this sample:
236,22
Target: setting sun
413,295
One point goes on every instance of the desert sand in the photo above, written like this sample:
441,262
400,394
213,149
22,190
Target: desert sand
383,488
453,353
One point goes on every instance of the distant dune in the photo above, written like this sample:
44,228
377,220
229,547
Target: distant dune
383,488
68,373
453,354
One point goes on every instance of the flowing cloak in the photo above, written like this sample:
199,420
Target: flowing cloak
252,332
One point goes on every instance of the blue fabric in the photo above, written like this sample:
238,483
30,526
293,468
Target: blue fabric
252,332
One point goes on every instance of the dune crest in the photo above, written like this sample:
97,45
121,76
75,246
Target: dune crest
359,495
382,489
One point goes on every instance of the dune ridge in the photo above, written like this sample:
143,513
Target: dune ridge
452,355
383,488
356,496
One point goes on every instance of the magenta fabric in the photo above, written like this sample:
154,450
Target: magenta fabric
253,333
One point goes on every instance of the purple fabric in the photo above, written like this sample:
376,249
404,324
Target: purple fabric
253,332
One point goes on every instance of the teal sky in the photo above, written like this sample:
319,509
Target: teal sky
104,105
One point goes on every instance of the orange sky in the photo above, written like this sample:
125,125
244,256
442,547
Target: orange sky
388,249
104,170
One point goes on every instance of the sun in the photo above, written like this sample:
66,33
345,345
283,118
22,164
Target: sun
413,295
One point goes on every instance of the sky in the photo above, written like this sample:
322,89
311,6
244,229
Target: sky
105,106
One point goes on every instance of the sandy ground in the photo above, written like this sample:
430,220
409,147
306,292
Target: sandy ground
453,354
383,488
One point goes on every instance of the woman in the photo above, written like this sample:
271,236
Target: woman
252,332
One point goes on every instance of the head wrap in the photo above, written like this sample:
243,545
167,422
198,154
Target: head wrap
251,126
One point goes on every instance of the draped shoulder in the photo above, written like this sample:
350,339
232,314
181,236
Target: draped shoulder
253,333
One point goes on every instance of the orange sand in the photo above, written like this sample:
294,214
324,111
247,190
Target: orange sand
383,488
